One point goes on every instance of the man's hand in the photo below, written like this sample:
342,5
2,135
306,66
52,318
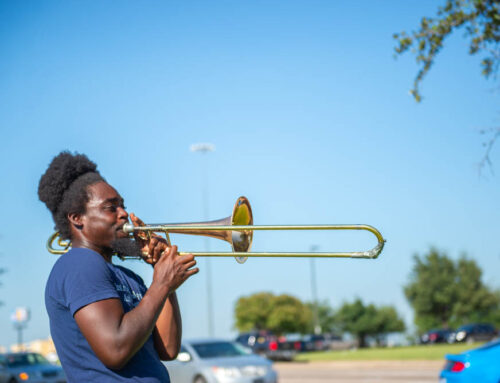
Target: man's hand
151,244
172,270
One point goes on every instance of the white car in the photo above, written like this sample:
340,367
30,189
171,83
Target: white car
219,361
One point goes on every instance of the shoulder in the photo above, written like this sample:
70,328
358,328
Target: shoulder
77,257
79,277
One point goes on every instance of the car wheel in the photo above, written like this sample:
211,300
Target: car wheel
12,381
199,379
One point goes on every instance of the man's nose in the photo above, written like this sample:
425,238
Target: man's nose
122,213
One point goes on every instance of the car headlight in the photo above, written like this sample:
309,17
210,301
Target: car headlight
460,335
226,372
254,370
235,372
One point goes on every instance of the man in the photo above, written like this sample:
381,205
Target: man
106,326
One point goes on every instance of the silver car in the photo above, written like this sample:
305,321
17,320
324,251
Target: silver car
219,361
29,367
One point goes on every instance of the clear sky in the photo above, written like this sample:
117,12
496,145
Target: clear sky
311,119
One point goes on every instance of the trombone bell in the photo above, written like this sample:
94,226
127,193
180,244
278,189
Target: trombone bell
241,241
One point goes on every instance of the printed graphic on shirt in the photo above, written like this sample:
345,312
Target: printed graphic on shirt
127,295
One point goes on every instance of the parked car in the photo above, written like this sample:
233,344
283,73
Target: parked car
478,365
213,361
474,332
319,342
436,336
29,367
267,344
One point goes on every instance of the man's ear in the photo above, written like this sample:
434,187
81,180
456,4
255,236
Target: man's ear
75,220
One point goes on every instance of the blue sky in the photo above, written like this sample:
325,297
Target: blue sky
311,119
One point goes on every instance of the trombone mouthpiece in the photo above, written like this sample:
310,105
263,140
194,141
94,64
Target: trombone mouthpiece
128,228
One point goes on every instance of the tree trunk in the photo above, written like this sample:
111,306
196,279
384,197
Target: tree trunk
361,340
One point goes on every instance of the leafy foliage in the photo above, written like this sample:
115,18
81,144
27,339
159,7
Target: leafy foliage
479,18
287,314
326,317
368,320
280,314
252,312
444,293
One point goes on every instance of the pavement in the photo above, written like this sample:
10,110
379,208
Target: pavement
359,371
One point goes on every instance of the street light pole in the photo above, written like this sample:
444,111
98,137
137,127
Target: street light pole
314,290
204,148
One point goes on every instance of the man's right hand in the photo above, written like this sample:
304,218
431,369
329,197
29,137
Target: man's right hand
172,270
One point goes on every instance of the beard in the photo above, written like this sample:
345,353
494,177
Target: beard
126,247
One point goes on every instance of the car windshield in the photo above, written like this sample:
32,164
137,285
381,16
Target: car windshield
16,360
218,350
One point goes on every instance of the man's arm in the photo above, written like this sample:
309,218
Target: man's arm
116,336
168,331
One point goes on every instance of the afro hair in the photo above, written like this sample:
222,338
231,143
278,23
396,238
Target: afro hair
63,187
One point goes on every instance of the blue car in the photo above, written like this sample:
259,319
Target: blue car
479,365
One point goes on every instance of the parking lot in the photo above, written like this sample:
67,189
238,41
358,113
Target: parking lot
357,372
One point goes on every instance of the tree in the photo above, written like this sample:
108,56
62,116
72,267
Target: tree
265,311
367,320
326,317
252,312
289,315
386,321
480,19
444,293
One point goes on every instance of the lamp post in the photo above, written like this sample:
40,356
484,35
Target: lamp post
314,291
20,318
205,148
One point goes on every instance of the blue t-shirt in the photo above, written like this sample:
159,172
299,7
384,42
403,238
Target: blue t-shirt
78,278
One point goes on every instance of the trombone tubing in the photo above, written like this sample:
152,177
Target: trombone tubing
372,254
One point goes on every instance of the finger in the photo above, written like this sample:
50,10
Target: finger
151,246
173,251
158,250
186,258
169,254
191,272
187,266
136,220
139,236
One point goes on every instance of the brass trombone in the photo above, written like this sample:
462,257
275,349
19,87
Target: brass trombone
237,229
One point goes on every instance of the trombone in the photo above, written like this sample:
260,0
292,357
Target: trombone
237,230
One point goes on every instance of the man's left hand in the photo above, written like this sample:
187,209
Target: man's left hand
151,244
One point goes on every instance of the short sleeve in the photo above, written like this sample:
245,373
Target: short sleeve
86,279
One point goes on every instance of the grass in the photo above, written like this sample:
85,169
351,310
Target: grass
428,352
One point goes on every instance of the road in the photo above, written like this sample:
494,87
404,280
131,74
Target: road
359,372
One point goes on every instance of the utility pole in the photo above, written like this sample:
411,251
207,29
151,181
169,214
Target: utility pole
314,291
205,148
20,318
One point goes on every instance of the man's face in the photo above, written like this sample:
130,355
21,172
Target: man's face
104,217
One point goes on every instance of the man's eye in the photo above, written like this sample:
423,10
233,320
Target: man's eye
111,208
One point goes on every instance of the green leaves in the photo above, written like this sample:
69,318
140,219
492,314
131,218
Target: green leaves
368,320
447,293
280,314
481,20
286,314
